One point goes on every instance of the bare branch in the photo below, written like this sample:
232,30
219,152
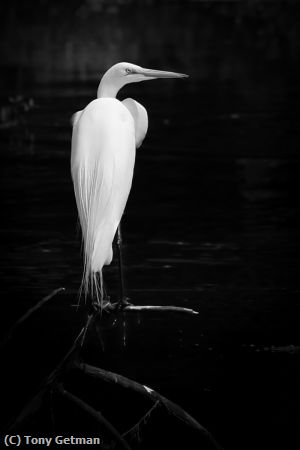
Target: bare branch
171,407
178,309
135,429
96,415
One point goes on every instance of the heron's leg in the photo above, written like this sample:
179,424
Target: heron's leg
107,305
106,297
123,299
120,259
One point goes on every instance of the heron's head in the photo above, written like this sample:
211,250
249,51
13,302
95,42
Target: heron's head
124,73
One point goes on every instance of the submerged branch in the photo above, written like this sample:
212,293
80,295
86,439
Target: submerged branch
171,407
96,415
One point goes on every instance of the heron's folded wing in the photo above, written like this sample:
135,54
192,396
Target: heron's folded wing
75,117
140,118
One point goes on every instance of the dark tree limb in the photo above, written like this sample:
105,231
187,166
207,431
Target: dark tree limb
171,407
96,415
71,360
134,430
178,309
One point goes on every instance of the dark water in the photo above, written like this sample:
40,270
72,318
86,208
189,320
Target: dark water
211,224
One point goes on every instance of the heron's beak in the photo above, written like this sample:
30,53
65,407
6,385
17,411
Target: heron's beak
150,73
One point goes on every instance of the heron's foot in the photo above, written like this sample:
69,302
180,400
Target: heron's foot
106,305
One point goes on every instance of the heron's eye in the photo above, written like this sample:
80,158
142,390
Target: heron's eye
128,71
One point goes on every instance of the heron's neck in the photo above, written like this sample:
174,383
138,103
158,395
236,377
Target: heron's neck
108,88
106,91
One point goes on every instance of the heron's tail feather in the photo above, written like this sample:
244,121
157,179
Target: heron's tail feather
93,192
92,284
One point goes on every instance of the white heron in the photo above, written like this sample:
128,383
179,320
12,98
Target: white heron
105,136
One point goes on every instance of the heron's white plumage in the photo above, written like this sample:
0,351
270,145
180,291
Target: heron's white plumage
75,117
102,163
140,117
105,136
